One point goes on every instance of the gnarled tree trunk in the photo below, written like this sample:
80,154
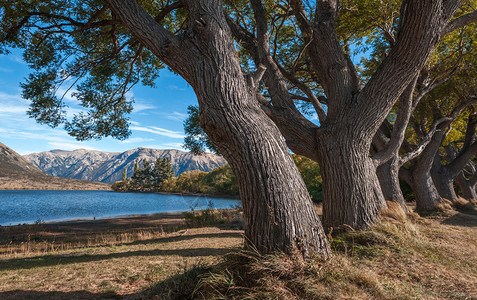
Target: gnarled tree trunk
351,191
426,195
444,182
278,211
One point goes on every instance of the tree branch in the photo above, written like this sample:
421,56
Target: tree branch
460,22
335,71
156,38
470,131
168,9
320,111
399,129
424,142
419,30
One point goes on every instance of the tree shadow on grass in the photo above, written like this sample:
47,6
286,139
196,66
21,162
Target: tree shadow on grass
186,237
461,219
53,260
54,295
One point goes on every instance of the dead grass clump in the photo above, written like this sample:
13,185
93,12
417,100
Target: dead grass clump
394,211
212,216
446,205
246,275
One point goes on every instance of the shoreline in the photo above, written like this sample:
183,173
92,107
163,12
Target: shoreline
133,217
91,222
184,194
138,192
199,195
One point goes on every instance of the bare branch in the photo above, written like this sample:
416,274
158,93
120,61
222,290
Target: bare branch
320,111
460,22
424,142
397,135
166,10
258,75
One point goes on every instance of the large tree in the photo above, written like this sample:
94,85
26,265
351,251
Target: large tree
321,72
116,43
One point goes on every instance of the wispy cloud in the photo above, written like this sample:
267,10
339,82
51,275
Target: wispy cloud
66,94
11,97
17,58
5,70
176,146
12,104
134,123
139,107
159,131
176,87
136,140
15,110
176,116
52,136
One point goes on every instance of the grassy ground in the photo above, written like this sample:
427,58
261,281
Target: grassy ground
159,258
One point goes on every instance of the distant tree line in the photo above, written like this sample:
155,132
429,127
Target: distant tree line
220,181
147,177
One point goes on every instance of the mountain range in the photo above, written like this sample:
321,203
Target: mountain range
18,173
108,167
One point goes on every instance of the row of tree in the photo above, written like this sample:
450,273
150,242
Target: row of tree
147,177
220,181
256,67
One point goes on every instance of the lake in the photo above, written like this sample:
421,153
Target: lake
18,207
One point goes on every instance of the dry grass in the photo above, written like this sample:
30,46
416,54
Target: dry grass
413,258
394,211
111,270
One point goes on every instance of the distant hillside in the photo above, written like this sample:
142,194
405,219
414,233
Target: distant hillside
109,166
18,173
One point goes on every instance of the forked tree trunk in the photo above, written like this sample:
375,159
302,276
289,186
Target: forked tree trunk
278,211
351,191
426,194
445,175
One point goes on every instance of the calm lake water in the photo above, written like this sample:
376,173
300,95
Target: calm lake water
18,207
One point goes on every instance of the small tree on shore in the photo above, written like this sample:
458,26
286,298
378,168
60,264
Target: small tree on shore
148,178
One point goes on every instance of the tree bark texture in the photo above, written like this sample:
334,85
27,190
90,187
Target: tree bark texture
351,192
426,194
278,212
467,187
388,175
445,175
444,182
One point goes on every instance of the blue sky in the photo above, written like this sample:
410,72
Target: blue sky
156,121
